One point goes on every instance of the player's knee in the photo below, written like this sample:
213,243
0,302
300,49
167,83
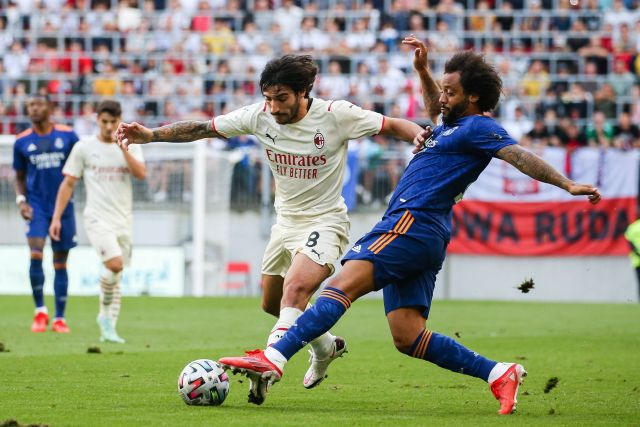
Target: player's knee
403,343
114,265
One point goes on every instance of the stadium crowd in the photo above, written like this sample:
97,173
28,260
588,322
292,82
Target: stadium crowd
571,67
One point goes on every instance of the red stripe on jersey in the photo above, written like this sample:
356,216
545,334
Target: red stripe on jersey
72,176
213,126
329,109
264,109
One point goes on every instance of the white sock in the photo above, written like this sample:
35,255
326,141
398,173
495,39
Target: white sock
288,316
115,303
42,309
322,345
498,371
275,357
108,281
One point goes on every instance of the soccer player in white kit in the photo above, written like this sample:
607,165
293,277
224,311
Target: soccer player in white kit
106,170
305,141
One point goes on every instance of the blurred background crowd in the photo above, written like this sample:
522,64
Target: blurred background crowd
571,68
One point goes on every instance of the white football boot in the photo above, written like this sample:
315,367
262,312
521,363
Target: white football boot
318,369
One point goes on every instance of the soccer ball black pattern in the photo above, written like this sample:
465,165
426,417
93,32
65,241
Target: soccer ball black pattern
204,383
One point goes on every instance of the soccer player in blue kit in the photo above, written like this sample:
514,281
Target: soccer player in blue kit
403,252
39,154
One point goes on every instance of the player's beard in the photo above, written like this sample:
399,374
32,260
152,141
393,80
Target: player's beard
295,108
457,111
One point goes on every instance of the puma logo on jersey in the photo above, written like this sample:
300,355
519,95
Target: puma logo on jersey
272,138
317,253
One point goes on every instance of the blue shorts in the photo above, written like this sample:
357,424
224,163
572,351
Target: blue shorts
38,227
407,250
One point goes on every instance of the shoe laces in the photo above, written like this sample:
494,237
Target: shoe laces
253,353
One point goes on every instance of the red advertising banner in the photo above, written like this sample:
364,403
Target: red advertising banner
542,228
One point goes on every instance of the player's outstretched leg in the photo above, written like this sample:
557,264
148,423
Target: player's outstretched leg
262,373
503,378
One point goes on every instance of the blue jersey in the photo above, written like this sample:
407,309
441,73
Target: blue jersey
42,158
452,159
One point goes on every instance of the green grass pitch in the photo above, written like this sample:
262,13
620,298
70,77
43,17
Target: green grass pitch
593,349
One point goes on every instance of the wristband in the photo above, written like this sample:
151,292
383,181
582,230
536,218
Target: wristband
20,198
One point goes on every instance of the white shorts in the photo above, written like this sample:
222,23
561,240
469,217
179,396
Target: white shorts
322,240
108,244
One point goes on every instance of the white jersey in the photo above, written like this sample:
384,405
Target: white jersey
107,179
308,157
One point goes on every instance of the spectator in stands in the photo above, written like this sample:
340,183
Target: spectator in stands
451,12
481,19
360,39
249,38
538,136
561,20
16,60
85,124
289,17
361,83
621,80
108,82
310,38
618,15
505,18
576,101
444,40
605,101
626,135
536,79
520,125
599,132
334,84
579,37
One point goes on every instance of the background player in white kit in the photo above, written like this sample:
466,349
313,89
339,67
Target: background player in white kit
107,171
305,142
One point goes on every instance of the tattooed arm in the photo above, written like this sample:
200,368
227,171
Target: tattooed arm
430,89
537,168
186,131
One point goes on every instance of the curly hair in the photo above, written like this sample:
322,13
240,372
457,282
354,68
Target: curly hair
477,77
297,72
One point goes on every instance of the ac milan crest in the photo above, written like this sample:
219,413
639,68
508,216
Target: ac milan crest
318,140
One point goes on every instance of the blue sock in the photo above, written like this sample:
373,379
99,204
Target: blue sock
60,283
329,307
36,276
450,354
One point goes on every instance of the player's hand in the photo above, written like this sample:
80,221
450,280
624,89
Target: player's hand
420,53
421,139
132,133
26,211
54,229
585,190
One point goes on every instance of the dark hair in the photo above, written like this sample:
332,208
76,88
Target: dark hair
295,71
42,96
110,107
477,77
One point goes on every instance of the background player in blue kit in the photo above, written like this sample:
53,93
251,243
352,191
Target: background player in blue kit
403,252
39,154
